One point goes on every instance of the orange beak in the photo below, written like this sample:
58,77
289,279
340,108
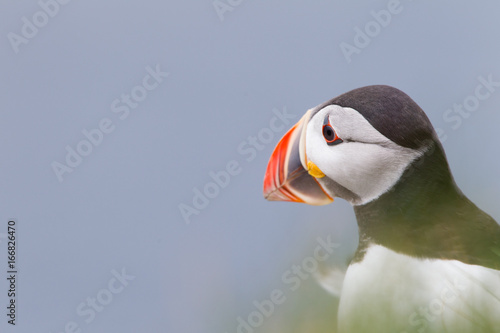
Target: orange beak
287,178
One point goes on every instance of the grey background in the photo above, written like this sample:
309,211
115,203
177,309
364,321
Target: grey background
120,207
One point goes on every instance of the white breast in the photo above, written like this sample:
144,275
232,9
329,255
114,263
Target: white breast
391,292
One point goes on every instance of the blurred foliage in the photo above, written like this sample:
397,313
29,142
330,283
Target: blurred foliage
310,309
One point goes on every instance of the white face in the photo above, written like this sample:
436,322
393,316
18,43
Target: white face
365,163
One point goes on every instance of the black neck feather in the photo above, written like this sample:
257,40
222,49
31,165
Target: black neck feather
425,215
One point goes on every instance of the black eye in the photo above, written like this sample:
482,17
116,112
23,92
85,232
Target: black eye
328,133
330,136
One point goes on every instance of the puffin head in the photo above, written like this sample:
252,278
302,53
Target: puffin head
355,146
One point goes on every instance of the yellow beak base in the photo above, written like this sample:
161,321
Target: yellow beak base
314,171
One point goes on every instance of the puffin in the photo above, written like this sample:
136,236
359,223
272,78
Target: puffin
428,258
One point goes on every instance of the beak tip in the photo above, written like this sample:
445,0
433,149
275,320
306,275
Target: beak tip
275,195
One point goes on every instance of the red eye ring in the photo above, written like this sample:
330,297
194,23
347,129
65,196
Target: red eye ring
330,135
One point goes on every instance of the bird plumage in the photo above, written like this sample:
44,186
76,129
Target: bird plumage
428,258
